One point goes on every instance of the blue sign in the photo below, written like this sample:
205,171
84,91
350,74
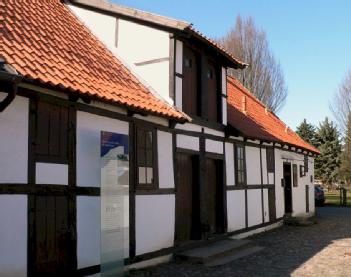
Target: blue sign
110,141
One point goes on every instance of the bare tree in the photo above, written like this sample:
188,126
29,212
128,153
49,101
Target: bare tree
341,105
264,76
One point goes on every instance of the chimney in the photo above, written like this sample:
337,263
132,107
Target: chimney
286,128
243,105
266,110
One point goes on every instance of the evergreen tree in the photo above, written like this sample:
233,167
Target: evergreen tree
345,167
307,132
328,141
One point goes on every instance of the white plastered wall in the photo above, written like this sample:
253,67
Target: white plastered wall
155,222
14,141
13,235
88,231
229,162
236,210
264,166
214,146
136,44
165,159
279,190
298,193
254,207
265,205
89,128
311,194
253,166
188,142
53,174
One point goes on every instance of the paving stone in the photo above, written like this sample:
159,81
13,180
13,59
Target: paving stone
322,249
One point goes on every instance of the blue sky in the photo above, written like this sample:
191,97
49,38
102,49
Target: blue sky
311,39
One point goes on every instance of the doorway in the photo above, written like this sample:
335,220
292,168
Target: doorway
214,191
188,198
52,236
287,188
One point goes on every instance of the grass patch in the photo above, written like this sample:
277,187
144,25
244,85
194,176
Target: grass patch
333,198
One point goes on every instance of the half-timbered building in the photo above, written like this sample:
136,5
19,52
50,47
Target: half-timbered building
206,159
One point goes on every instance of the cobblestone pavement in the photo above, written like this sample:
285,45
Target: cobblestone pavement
323,249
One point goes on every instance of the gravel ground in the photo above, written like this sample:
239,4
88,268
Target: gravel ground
323,249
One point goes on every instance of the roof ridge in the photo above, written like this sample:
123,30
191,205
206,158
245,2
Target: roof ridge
131,12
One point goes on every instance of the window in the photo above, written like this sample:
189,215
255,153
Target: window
191,96
145,159
295,180
240,167
212,90
51,132
305,162
270,159
302,171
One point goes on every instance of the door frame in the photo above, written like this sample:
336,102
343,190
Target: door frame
218,158
285,164
195,230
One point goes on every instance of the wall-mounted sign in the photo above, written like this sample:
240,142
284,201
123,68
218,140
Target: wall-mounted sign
114,203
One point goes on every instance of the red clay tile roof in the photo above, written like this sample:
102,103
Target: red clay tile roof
257,122
45,42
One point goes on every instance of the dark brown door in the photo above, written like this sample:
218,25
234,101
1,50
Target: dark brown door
51,235
271,203
190,97
287,188
214,196
307,199
187,200
212,93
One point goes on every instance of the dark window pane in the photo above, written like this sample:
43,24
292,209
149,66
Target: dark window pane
270,159
240,165
145,158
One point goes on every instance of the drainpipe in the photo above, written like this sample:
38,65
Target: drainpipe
9,79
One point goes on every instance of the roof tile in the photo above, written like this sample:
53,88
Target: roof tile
257,122
45,42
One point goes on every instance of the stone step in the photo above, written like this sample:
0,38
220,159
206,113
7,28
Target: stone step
234,256
299,221
215,250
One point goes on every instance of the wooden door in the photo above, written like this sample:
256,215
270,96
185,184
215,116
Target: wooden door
187,200
52,236
190,97
214,196
271,203
287,188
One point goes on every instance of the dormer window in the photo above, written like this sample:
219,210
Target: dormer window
213,93
191,71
